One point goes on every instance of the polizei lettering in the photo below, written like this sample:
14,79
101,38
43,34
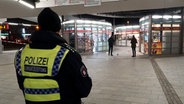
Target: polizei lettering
36,60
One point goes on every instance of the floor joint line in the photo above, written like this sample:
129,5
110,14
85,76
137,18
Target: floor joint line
170,94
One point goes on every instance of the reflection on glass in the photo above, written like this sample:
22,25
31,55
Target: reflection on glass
91,35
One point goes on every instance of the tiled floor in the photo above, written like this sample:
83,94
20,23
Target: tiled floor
118,79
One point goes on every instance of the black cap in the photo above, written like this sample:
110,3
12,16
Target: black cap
48,20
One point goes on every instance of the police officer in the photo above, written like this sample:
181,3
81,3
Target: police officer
48,70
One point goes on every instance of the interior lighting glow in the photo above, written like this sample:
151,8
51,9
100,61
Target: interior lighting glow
135,26
166,25
93,22
37,27
26,4
26,24
120,27
128,27
80,21
156,16
156,25
13,23
176,25
93,25
146,23
86,25
109,28
176,16
68,22
88,22
23,30
142,19
167,16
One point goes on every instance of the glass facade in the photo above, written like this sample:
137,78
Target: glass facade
87,36
144,34
161,34
123,34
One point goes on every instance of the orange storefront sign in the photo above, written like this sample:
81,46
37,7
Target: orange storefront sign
165,28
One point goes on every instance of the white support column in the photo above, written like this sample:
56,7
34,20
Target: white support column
1,46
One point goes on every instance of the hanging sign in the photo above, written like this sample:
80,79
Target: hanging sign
68,2
92,3
53,3
61,2
109,0
72,2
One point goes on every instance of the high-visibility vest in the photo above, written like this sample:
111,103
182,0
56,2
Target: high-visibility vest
39,66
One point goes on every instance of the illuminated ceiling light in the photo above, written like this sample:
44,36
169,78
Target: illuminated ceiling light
156,16
68,22
26,24
176,16
88,22
28,3
167,16
37,27
13,23
142,19
135,26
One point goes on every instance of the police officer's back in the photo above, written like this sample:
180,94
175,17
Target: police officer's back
48,70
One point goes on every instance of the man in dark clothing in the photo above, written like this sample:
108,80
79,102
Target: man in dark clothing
46,78
133,46
111,43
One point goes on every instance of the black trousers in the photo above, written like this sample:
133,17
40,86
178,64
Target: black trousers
110,50
133,51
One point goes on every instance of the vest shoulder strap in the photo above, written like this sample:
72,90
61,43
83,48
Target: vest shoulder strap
28,61
68,47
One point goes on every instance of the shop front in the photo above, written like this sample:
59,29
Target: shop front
87,36
124,34
161,34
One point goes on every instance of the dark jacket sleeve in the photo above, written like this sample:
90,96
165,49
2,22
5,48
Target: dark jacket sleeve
20,79
82,80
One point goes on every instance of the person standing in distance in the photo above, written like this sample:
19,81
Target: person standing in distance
111,43
48,70
133,46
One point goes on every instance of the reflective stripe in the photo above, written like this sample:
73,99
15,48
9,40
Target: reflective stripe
42,98
18,62
41,91
32,62
57,61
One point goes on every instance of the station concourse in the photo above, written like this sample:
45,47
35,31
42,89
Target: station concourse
148,78
118,79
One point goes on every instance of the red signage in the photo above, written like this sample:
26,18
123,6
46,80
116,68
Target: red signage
165,28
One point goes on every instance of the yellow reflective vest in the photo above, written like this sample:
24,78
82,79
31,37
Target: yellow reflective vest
35,65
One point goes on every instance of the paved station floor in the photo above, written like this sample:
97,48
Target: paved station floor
118,79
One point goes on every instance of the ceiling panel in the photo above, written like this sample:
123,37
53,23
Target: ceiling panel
53,3
11,8
111,8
